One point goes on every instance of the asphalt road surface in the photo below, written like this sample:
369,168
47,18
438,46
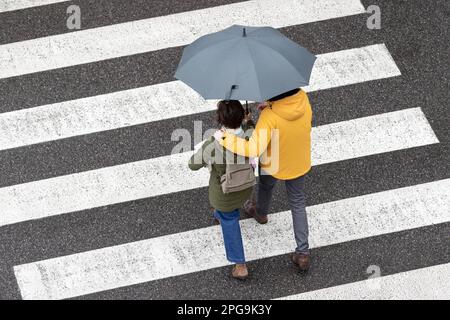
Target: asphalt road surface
94,205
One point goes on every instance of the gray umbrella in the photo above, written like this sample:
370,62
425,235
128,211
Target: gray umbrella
245,63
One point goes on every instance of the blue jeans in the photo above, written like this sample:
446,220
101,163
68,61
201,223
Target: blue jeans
232,238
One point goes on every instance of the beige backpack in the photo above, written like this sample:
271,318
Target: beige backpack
239,175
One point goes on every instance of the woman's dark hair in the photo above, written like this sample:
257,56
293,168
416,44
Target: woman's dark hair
230,113
284,95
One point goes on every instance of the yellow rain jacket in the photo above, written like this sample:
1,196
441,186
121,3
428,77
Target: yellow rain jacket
282,138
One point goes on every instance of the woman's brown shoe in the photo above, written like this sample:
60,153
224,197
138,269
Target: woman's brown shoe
239,271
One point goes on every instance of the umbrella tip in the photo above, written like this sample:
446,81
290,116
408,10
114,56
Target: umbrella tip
244,33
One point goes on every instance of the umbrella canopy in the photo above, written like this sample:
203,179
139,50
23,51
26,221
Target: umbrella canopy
244,63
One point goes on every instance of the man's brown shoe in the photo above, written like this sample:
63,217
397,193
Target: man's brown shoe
303,261
250,210
239,271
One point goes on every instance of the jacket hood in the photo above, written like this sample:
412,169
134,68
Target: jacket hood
292,107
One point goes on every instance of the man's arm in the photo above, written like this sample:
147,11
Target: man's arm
256,144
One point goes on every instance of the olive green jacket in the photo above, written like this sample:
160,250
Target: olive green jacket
205,157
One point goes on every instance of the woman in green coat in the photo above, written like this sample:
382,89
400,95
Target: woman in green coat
231,116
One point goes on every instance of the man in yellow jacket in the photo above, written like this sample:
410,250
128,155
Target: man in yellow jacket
282,141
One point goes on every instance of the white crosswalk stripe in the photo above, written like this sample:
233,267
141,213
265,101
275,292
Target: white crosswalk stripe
158,176
11,5
173,254
153,34
170,100
202,249
422,284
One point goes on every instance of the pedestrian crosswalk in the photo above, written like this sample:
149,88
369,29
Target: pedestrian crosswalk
161,32
11,5
179,253
169,100
158,176
201,249
421,284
